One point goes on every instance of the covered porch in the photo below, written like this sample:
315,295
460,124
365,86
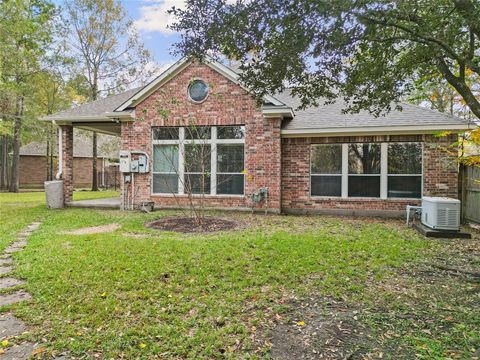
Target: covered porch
66,157
99,116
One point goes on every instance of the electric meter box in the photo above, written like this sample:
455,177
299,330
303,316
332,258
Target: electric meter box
142,164
125,161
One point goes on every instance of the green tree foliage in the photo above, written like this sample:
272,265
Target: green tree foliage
370,52
27,29
107,50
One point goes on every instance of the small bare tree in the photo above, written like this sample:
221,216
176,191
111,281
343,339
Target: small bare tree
189,162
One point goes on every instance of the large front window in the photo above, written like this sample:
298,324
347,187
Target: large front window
366,170
198,160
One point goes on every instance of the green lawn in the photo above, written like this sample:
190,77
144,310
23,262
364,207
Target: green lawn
140,293
19,210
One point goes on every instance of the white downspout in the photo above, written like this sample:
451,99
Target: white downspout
103,172
60,154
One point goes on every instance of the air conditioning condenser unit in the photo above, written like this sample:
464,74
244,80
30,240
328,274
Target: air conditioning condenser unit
441,213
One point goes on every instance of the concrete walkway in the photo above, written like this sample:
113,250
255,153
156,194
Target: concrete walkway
108,203
10,326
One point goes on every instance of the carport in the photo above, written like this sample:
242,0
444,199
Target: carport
98,116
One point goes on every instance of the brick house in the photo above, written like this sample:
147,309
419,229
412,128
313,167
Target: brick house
34,167
315,160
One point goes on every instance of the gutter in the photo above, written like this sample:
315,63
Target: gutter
375,130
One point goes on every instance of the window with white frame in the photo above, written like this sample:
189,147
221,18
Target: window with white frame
326,170
405,170
198,160
366,170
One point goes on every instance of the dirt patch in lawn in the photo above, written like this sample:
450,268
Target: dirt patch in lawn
321,329
94,229
190,225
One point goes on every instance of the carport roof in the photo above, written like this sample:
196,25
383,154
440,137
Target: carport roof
94,109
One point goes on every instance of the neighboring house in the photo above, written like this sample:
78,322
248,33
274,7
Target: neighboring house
315,160
34,165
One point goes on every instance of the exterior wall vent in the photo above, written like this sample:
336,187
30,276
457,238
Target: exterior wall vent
441,213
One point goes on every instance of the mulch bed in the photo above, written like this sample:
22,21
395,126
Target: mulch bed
186,224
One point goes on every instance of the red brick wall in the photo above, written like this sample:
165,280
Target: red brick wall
440,174
33,171
227,104
440,166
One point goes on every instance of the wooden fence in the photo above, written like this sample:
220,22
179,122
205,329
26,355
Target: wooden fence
470,193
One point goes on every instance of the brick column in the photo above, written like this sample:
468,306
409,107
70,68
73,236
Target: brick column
263,160
67,166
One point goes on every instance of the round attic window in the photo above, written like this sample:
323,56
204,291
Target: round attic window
198,91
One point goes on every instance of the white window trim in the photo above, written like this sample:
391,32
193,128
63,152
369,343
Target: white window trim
340,175
165,172
383,173
416,175
213,141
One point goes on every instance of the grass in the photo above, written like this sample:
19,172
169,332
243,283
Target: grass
19,210
139,293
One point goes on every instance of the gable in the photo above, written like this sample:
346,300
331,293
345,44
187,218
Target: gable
168,104
181,65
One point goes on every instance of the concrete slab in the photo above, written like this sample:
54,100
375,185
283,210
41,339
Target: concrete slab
11,326
5,270
13,249
108,203
16,245
22,351
8,282
6,262
444,234
14,297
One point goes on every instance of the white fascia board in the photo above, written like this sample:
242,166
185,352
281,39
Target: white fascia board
278,112
108,117
69,119
121,115
376,130
158,81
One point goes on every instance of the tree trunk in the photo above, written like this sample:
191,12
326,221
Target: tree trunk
94,163
14,183
2,140
6,163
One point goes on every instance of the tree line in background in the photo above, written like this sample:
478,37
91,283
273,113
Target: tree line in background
53,58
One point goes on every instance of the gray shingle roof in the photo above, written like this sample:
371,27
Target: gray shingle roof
313,118
330,116
95,108
82,147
